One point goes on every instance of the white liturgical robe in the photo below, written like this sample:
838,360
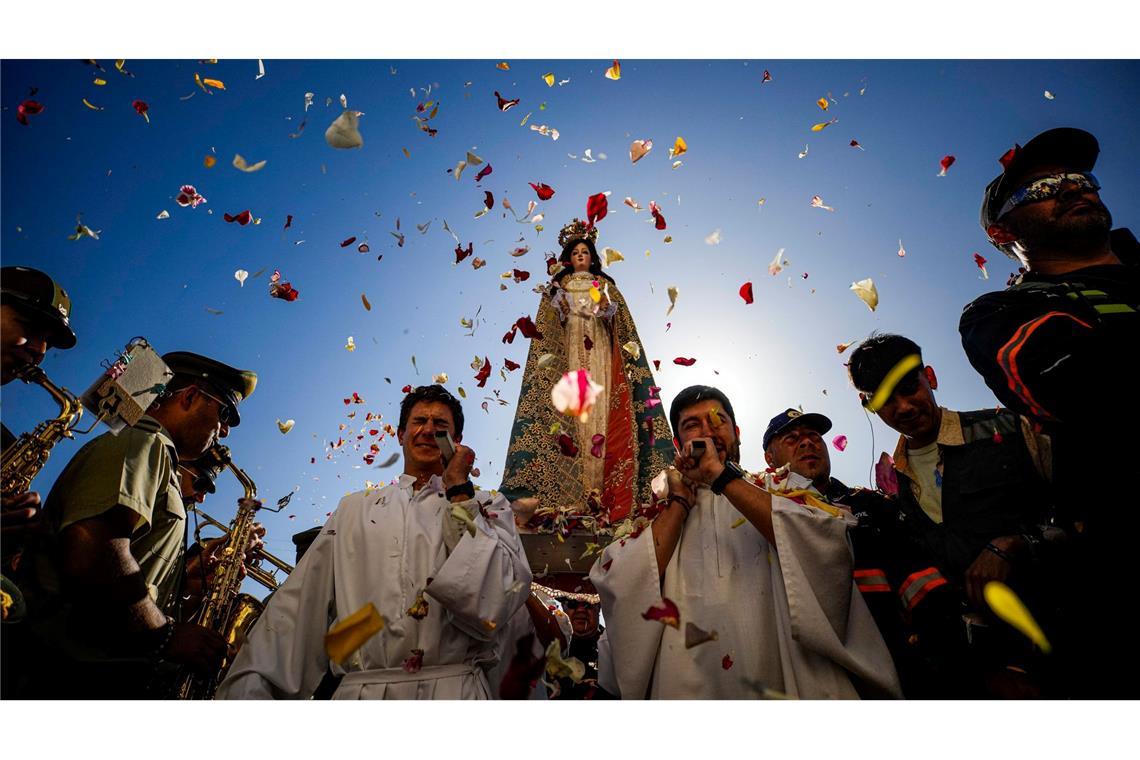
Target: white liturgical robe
383,547
788,618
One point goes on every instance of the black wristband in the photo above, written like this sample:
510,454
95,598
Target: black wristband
731,472
163,635
466,490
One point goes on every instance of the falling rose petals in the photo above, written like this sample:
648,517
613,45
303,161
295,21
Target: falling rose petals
633,349
440,379
611,256
1009,607
695,636
855,144
414,662
545,192
633,204
92,106
351,633
350,344
902,251
886,479
598,446
597,206
209,161
461,253
510,365
867,293
841,347
980,261
478,263
141,109
713,238
777,264
285,426
822,126
945,163
817,202
822,103
344,132
680,147
804,152
164,214
567,446
575,394
614,72
667,613
746,292
31,108
242,219
726,663
504,103
240,276
765,77
363,248
484,172
367,304
527,327
282,290
659,218
189,196
1007,157
549,79
682,361
488,198
839,442
673,292
347,242
1050,96
638,149
241,165
483,373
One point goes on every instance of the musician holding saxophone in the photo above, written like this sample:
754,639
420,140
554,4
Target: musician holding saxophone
35,315
103,582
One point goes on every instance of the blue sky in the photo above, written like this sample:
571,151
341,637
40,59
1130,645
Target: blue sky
157,278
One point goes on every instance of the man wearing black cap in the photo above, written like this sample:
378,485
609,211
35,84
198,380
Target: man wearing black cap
1056,346
731,585
35,314
104,581
973,506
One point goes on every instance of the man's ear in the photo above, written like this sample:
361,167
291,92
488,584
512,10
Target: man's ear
400,435
931,377
768,459
1000,234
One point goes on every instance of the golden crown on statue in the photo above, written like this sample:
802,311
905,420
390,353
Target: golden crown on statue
577,229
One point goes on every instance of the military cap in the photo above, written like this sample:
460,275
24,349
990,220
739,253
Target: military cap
35,293
230,383
790,417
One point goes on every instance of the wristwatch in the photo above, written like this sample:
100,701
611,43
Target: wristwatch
466,490
731,472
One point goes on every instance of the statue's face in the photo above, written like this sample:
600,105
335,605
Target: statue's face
580,258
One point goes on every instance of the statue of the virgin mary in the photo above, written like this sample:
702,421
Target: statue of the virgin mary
625,440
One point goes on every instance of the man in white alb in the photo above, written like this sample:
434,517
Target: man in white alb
443,590
769,574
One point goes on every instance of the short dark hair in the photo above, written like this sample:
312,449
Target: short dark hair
876,356
431,393
692,395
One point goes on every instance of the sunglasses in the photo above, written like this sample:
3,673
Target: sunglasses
573,604
225,413
1047,187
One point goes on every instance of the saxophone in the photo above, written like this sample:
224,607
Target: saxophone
23,460
226,610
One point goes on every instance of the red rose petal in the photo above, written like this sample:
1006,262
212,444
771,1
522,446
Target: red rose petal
545,192
488,199
566,446
348,242
504,104
483,172
528,328
510,365
461,254
597,445
726,663
746,292
667,613
596,208
684,362
483,373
